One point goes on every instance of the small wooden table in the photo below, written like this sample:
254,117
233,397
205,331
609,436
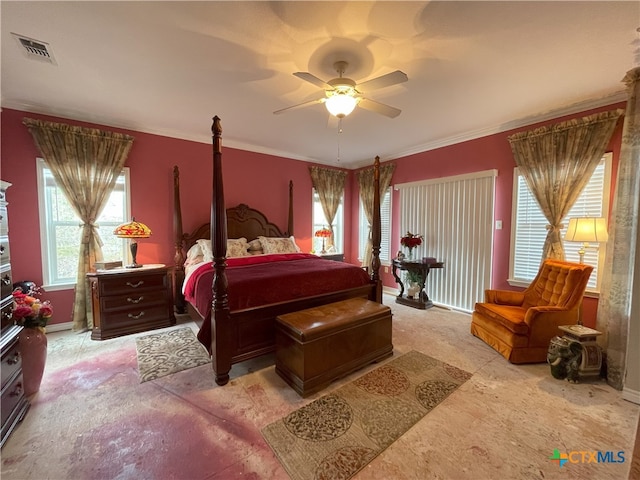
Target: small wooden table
422,268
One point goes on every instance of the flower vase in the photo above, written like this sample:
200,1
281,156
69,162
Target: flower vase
414,290
33,350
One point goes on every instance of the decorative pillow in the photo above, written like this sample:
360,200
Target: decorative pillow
237,247
278,245
255,245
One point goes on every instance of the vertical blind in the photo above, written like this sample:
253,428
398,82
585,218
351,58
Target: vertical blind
455,217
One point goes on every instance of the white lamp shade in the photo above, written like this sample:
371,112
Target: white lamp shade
341,104
587,229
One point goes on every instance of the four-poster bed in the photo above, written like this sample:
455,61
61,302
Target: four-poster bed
242,296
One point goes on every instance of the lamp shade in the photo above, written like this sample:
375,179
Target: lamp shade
323,232
132,229
341,104
587,229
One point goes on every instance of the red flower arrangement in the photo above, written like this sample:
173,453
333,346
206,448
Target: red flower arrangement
29,311
411,240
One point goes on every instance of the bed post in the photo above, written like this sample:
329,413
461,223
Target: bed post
220,327
376,231
290,219
178,257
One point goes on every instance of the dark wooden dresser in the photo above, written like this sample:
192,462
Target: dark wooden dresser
130,300
14,401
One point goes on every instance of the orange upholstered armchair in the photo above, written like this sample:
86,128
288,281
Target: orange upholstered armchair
520,325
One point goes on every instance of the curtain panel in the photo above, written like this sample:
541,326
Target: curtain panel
365,183
557,162
85,163
614,317
329,184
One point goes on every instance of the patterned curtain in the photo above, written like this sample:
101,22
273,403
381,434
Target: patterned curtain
557,162
365,182
329,183
85,163
614,306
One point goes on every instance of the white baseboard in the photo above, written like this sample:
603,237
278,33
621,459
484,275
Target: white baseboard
632,396
59,327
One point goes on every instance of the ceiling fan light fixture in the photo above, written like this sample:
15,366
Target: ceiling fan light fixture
341,104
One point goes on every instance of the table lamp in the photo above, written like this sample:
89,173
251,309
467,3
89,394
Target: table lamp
133,230
586,230
323,233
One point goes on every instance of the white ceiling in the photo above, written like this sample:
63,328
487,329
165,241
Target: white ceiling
474,68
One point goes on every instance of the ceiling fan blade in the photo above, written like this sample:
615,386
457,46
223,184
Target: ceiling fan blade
306,76
378,107
387,80
300,105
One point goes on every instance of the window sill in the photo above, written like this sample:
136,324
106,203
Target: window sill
524,284
58,287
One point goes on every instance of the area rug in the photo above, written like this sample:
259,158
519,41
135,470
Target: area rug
338,434
164,353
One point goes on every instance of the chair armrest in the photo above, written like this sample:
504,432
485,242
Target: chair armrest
543,323
504,297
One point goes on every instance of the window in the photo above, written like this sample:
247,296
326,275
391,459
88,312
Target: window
320,221
385,222
529,227
59,227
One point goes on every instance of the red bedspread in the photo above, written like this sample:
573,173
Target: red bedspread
264,279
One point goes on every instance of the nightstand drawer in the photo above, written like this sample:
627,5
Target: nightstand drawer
118,285
11,361
12,396
136,316
133,301
6,284
4,223
5,258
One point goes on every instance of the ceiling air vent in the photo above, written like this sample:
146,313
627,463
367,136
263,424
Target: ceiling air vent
35,49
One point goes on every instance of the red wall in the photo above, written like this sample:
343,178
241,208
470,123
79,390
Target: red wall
261,181
490,152
256,179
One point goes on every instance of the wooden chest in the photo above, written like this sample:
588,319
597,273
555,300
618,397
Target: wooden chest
319,345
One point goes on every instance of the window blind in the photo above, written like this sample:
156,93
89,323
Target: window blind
455,217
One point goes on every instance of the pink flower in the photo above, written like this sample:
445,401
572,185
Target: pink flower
21,312
46,311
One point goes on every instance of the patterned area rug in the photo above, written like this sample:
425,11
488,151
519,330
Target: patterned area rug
338,434
164,353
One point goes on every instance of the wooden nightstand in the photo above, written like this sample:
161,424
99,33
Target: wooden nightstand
130,300
338,257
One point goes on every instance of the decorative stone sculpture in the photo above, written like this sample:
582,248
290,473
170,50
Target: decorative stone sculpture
564,357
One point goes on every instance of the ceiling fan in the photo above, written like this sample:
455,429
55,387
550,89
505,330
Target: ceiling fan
341,95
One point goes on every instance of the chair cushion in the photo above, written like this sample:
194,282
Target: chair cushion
555,285
508,316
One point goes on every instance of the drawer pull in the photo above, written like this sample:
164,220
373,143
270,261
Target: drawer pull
6,280
16,391
136,285
136,317
129,299
14,359
2,249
